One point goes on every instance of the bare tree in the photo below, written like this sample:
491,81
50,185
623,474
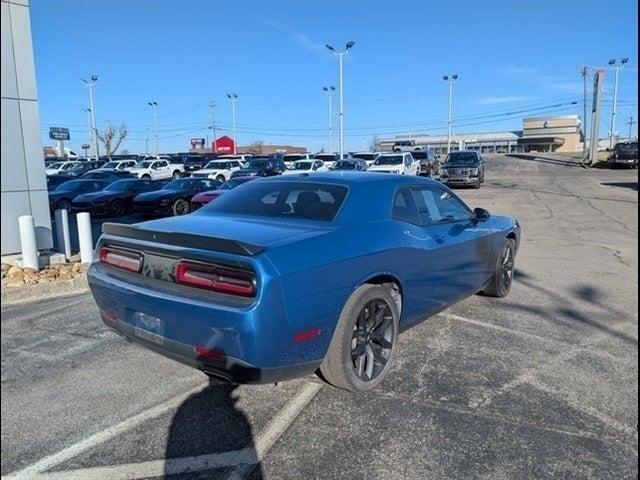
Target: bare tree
256,147
110,136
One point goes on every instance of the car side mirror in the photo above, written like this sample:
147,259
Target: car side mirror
480,214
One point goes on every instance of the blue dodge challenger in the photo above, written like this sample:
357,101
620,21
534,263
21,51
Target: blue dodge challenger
299,274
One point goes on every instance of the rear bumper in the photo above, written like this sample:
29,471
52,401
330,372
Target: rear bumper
237,340
228,369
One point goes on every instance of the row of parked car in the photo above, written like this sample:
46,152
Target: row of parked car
161,186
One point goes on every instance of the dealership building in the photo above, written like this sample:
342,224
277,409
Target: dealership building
538,134
24,185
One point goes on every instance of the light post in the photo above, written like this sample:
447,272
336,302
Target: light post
330,91
154,105
615,97
88,110
212,105
233,97
94,134
450,82
340,56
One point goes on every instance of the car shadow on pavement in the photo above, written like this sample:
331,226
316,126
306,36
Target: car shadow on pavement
631,185
209,423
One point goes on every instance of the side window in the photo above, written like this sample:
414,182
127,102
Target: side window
437,206
404,207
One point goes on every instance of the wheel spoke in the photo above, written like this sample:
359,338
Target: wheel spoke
377,354
360,365
368,354
381,341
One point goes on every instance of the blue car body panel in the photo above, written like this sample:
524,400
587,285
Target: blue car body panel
305,270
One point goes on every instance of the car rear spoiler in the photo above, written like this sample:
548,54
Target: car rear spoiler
182,239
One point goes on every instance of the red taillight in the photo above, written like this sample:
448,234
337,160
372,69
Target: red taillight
306,335
124,259
210,353
216,278
109,317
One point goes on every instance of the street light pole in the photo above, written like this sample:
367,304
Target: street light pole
630,123
330,91
454,77
615,98
233,97
154,105
90,83
212,105
88,110
340,56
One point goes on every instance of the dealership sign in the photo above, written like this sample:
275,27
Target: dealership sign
59,133
197,142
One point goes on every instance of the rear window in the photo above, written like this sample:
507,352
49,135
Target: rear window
308,201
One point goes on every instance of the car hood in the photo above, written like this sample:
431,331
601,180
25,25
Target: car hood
55,195
252,230
160,195
203,196
99,196
461,165
245,172
384,167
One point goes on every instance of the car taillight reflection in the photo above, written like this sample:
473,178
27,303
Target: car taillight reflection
123,259
216,278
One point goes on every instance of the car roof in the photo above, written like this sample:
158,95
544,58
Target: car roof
348,178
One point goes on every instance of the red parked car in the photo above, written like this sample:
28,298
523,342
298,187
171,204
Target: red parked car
203,198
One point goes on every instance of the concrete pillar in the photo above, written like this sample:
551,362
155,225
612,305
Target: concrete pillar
28,242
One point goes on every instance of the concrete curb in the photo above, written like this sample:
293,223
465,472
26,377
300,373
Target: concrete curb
43,291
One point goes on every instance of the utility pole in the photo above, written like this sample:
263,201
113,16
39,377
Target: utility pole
615,97
598,82
454,77
630,123
212,105
154,105
90,83
330,91
233,97
584,71
340,56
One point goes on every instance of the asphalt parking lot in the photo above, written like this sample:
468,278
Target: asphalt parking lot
542,383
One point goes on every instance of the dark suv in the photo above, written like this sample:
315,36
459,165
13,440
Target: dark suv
261,167
465,167
429,163
624,153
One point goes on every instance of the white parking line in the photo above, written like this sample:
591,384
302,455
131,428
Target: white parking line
245,459
97,438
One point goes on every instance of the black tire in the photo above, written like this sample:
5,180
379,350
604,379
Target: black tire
180,207
118,208
176,174
220,178
146,176
64,204
343,365
504,270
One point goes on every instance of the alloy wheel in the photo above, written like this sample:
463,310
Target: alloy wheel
180,208
372,339
507,267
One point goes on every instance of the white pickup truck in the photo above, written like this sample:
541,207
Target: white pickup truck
402,163
159,169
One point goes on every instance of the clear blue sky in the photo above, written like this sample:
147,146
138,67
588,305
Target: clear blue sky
509,55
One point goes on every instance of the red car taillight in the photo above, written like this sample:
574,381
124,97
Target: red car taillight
216,278
123,259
